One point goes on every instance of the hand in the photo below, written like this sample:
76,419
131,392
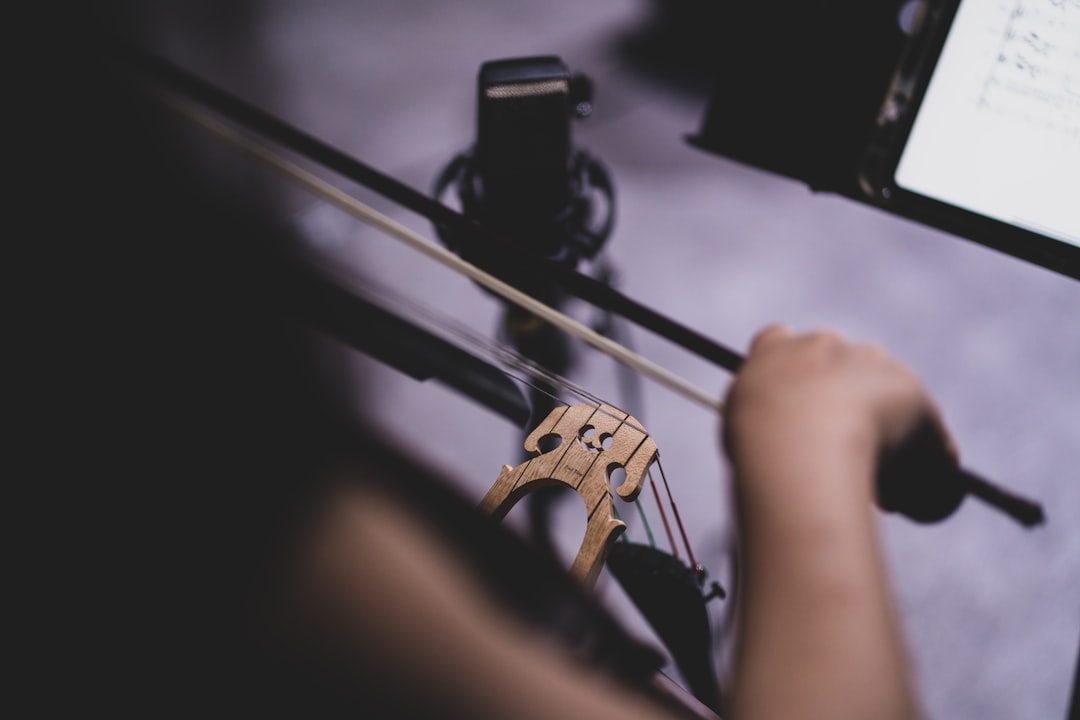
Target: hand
801,400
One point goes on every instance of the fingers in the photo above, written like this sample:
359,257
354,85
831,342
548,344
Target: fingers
801,394
776,334
804,371
770,335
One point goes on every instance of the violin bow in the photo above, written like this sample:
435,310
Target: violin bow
184,91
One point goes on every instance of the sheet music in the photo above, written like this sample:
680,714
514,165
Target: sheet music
999,129
1035,76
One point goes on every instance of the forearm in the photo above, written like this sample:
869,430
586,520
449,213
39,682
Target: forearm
818,636
422,634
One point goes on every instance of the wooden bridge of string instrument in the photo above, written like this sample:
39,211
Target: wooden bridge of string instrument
593,441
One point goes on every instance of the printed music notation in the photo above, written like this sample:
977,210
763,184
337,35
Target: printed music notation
1035,75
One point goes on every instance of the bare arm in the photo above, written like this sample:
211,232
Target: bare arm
407,614
805,422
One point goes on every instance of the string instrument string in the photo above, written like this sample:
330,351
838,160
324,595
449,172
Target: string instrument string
529,373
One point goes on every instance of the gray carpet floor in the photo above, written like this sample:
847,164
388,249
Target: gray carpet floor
991,611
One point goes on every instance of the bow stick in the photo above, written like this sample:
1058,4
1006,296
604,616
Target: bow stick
597,293
949,489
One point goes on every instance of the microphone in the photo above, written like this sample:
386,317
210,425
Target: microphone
524,179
